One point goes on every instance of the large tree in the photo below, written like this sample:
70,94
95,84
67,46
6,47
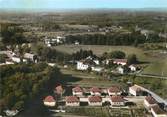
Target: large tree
12,35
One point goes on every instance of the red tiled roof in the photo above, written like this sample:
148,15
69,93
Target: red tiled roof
77,89
120,60
114,89
72,99
95,99
59,89
150,100
117,99
49,99
158,110
95,89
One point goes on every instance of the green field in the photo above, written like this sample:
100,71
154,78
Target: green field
157,68
157,62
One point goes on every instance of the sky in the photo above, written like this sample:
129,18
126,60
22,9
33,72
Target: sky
70,4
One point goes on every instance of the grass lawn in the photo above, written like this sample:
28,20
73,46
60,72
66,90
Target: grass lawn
157,68
100,49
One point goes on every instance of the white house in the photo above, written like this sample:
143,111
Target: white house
97,69
31,57
117,101
49,101
96,61
17,59
158,112
81,65
11,113
77,91
133,67
95,91
95,101
120,70
135,90
76,43
72,101
149,102
114,90
120,61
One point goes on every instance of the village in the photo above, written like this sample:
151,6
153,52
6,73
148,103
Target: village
83,62
111,97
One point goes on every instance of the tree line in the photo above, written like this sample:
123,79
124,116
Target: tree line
133,38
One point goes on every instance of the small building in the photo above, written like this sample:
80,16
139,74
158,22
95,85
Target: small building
149,102
31,57
76,42
135,90
114,90
117,101
95,101
49,101
81,65
72,101
11,113
96,61
120,61
120,70
59,90
158,112
97,69
95,91
77,91
133,67
17,59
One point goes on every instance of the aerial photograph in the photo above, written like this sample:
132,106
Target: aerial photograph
83,58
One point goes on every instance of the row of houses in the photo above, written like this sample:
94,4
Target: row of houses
54,41
94,65
95,91
12,58
95,100
152,106
150,103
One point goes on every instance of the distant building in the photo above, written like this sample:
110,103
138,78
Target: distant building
72,101
95,91
31,57
17,59
120,61
95,101
117,101
158,112
97,69
133,67
11,113
54,41
114,90
120,70
82,65
149,102
49,101
76,43
77,91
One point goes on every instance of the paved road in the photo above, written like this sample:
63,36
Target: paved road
152,76
155,96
